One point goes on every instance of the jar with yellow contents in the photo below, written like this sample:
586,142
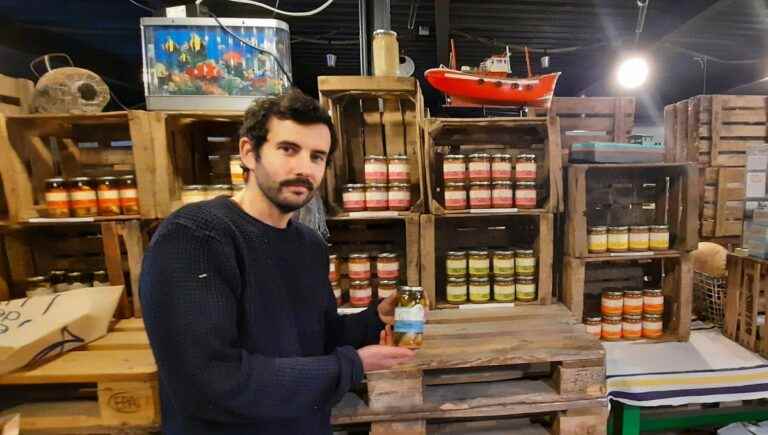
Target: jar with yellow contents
598,239
479,290
525,262
638,238
479,263
504,263
618,239
525,289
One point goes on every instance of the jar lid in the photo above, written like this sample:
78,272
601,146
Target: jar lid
524,251
374,157
502,156
54,180
633,292
598,228
399,185
234,157
360,282
36,279
478,252
594,318
652,316
80,179
456,279
354,186
456,184
382,32
107,178
632,317
480,156
526,183
360,255
194,187
479,279
525,278
503,252
618,228
456,253
221,186
332,256
612,318
405,288
618,293
502,183
454,156
398,157
99,272
387,255
376,186
659,227
652,291
126,177
57,272
506,279
479,184
526,156
387,282
638,228
74,274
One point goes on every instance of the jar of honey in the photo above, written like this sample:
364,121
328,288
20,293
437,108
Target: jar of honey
525,289
504,263
479,290
386,288
618,239
525,167
504,289
598,240
501,167
632,327
456,263
399,197
333,267
376,197
633,302
375,170
56,198
480,194
652,326
236,169
455,196
360,293
129,195
653,301
503,195
659,237
612,303
638,238
611,328
479,263
594,325
108,196
353,197
359,266
456,290
397,169
193,193
82,197
454,168
479,167
525,194
410,316
525,262
388,266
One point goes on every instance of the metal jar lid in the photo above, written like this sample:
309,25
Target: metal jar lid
656,317
502,156
384,32
505,279
660,227
364,255
457,280
633,292
503,252
376,186
404,288
36,279
505,183
528,279
458,185
194,187
616,293
399,186
456,253
107,178
54,180
387,255
526,184
637,317
480,184
524,252
360,283
374,157
78,179
638,228
653,292
126,177
354,186
398,157
619,228
598,228
594,318
387,282
480,156
454,157
478,252
479,280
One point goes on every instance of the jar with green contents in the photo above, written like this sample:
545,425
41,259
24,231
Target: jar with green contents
525,289
456,263
504,289
525,262
479,263
410,316
504,263
456,290
479,290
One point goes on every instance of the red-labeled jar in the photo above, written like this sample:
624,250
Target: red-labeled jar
353,197
503,194
399,197
525,194
479,167
360,293
525,167
397,169
375,169
388,266
455,196
501,167
480,194
454,168
376,197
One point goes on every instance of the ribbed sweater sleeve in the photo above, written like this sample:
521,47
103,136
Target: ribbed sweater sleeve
190,287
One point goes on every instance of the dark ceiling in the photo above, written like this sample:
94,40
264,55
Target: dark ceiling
104,36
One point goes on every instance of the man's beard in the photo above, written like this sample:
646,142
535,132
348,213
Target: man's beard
273,193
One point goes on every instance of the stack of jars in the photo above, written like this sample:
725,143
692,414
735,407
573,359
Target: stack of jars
490,181
638,238
360,270
58,281
199,192
86,197
628,315
386,186
469,275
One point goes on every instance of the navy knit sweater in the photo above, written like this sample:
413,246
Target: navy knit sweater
243,325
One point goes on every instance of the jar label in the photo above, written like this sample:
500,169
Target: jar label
503,267
399,198
375,172
503,197
353,200
87,195
614,329
129,193
479,170
376,199
595,330
456,198
360,297
613,303
386,266
501,171
659,240
631,328
385,293
479,267
525,197
525,171
598,242
504,292
479,292
456,267
398,172
109,194
525,266
618,241
363,266
525,292
454,171
456,293
651,326
409,319
57,199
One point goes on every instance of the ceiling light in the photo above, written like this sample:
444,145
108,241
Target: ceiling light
330,60
633,72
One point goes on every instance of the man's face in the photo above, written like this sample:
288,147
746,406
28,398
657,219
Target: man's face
290,164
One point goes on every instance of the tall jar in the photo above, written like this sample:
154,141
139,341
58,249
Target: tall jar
353,197
108,196
359,266
659,237
82,197
501,167
236,169
387,266
638,238
479,263
480,194
618,239
455,196
456,263
360,293
454,168
193,193
399,197
612,303
397,169
56,198
410,316
456,290
598,240
525,262
129,195
376,197
525,289
504,289
375,170
525,167
479,290
479,167
504,263
525,194
503,195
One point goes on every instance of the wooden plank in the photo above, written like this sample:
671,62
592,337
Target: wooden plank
579,105
545,248
574,275
106,157
412,247
372,127
733,296
428,258
556,201
393,389
604,125
569,140
576,222
416,427
671,151
394,128
114,263
587,421
730,187
131,324
689,202
134,247
142,147
738,101
341,84
20,91
129,403
70,158
681,132
716,129
164,173
731,145
496,314
747,131
737,116
682,328
121,340
620,128
585,380
694,105
352,122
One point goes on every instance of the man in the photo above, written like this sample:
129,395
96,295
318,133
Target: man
236,298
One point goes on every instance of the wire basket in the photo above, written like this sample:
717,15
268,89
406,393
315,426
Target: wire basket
709,297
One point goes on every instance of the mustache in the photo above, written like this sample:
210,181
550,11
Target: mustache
301,182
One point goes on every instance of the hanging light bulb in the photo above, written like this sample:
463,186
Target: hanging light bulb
545,61
330,60
633,72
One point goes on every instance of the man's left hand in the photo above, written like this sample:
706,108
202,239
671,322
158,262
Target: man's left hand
386,309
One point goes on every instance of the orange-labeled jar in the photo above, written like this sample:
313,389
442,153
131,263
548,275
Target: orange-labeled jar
594,325
387,266
501,167
455,196
82,197
236,169
612,303
652,326
480,194
360,293
454,168
503,195
108,196
376,197
525,167
399,197
632,327
633,302
56,198
387,288
353,197
359,266
525,194
653,301
375,169
333,267
397,169
129,195
611,328
479,167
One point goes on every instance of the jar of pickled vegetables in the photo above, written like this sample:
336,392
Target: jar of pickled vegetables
410,316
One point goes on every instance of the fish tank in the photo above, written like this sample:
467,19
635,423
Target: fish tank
195,64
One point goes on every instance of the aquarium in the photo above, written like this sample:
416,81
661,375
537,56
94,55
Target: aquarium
195,64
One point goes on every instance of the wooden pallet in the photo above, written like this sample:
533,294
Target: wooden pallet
514,136
671,271
116,246
632,194
178,146
37,147
440,234
745,301
373,116
601,119
478,364
722,212
109,387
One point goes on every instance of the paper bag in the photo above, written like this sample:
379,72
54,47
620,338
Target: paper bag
33,329
10,425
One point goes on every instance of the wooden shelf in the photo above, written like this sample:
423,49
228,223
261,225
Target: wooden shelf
627,165
619,256
75,221
371,216
495,212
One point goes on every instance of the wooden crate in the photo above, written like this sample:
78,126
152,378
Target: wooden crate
484,364
15,95
537,136
746,301
377,235
37,147
98,389
715,130
722,211
672,272
117,247
601,119
632,194
440,234
185,148
372,116
582,417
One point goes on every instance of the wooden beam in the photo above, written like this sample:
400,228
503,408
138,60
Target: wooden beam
443,30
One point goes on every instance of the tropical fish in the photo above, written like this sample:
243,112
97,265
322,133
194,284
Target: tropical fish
232,58
184,58
204,70
170,46
195,43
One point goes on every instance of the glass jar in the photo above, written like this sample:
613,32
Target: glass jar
525,262
375,170
618,239
611,328
387,288
633,302
456,263
653,301
108,196
632,327
58,280
360,293
359,266
399,197
410,316
129,195
456,290
193,193
598,240
504,263
594,325
525,167
504,289
397,169
479,167
503,195
638,238
525,194
56,198
525,288
82,197
333,267
612,303
454,168
217,190
100,278
353,197
388,266
653,326
38,286
236,175
336,288
376,197
480,194
501,167
455,196
659,237
75,280
479,290
479,263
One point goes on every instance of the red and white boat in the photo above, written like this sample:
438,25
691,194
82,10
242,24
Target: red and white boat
491,84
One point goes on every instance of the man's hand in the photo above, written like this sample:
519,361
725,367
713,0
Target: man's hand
386,309
377,357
